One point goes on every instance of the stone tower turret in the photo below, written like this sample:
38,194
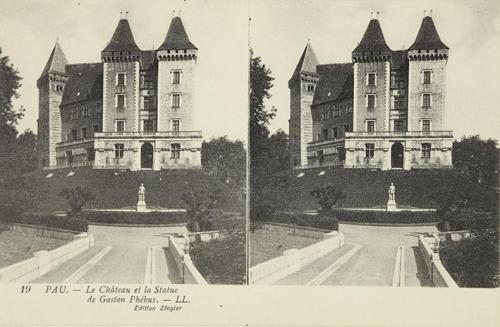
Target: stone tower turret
121,66
427,79
177,58
50,86
302,85
372,70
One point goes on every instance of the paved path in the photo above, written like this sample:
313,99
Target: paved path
121,255
368,258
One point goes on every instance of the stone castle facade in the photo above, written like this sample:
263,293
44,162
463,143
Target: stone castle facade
384,110
133,110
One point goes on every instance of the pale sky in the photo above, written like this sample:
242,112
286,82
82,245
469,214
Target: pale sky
471,29
219,28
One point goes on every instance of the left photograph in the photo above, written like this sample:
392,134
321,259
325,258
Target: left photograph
123,142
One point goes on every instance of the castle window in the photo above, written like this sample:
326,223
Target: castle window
336,111
370,126
120,126
74,114
86,111
176,125
175,151
320,156
324,134
427,76
371,101
149,103
335,132
68,137
347,128
398,102
324,114
310,88
119,149
426,125
121,79
148,125
120,101
426,150
84,132
369,150
371,79
176,77
90,154
175,100
399,125
74,134
426,100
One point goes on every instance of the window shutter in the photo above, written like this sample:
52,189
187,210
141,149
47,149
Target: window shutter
125,79
366,79
180,77
366,100
375,102
430,99
116,79
421,99
180,100
432,76
171,77
124,101
376,78
116,100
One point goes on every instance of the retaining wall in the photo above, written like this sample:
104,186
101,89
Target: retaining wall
31,230
440,277
189,273
296,230
293,260
44,261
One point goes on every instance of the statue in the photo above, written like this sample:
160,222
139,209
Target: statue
392,192
141,204
391,203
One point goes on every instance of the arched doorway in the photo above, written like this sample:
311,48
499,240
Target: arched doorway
397,155
147,156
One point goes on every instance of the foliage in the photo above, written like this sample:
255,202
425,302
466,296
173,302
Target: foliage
472,262
327,197
132,217
10,82
199,203
222,260
77,197
477,159
226,160
51,221
386,217
322,221
467,219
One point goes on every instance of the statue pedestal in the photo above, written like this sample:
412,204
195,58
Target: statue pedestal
141,206
391,205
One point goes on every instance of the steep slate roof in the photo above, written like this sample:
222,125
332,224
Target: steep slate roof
122,39
373,39
335,83
57,62
84,83
176,38
307,62
427,37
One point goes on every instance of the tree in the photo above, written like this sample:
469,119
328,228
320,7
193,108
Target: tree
278,152
10,81
25,155
77,198
199,203
226,160
327,197
477,159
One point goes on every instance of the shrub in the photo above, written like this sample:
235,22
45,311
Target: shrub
222,260
51,221
77,197
314,221
472,262
386,217
132,217
327,197
467,219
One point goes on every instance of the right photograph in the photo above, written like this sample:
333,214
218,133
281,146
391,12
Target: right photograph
373,144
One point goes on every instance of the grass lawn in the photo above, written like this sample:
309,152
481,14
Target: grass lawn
15,247
265,244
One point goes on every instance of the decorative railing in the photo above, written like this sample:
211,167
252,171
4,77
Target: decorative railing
150,134
402,133
324,142
74,142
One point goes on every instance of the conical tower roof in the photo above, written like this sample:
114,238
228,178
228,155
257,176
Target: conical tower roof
57,62
122,39
177,38
307,62
373,40
427,37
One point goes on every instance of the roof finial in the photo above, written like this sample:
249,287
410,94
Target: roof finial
173,13
371,15
425,13
378,12
430,13
126,14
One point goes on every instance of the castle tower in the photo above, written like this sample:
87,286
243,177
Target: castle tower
50,90
121,68
177,58
427,79
372,69
302,85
